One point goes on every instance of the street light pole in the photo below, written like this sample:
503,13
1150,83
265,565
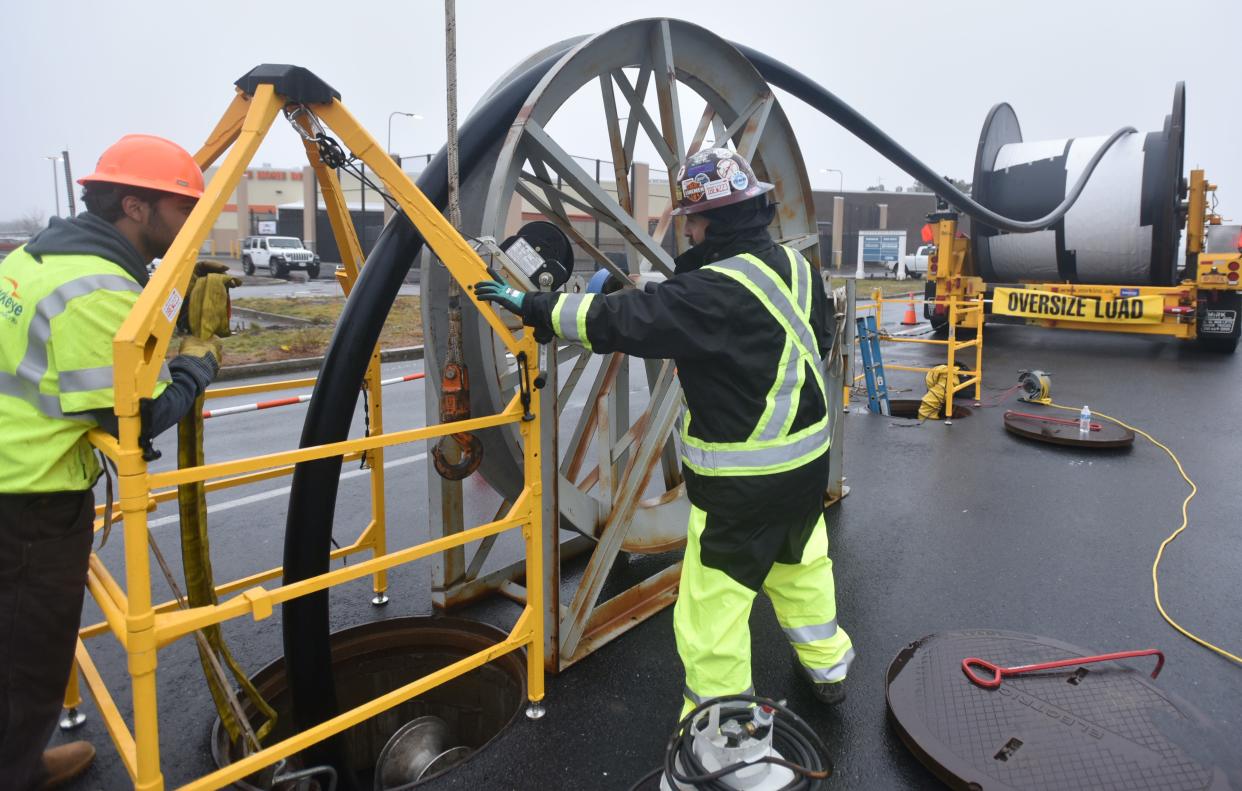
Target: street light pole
838,217
415,116
840,178
55,182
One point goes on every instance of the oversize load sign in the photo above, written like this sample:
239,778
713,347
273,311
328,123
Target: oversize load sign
1031,304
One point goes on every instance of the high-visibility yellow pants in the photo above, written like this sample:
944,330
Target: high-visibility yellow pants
711,619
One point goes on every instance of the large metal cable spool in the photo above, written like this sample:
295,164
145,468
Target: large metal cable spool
713,82
1124,228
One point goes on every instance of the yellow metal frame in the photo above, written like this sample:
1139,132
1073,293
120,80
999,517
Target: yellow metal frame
141,626
962,313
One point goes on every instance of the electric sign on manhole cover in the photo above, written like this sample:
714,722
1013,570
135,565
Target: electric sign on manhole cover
1100,725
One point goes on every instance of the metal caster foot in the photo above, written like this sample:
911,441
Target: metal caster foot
71,719
380,599
535,711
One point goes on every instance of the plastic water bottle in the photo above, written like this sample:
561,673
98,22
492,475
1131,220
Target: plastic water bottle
1084,421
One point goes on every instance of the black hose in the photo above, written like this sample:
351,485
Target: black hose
799,85
312,501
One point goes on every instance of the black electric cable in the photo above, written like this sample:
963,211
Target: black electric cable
804,753
802,87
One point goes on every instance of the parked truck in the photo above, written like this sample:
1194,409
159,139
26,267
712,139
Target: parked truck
916,265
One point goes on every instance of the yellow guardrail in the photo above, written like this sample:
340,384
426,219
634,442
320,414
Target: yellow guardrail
143,627
963,313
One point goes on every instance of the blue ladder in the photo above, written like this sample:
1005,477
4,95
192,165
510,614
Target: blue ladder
873,365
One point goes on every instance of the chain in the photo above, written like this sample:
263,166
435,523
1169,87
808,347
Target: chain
331,152
366,422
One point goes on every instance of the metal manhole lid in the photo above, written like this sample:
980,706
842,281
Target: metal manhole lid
1059,430
1098,726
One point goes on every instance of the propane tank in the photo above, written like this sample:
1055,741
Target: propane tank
741,738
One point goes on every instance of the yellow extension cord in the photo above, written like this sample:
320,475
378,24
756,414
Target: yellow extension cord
1155,567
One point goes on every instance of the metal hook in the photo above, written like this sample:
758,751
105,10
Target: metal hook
471,457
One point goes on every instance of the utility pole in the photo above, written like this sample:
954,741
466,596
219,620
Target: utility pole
55,181
73,209
445,492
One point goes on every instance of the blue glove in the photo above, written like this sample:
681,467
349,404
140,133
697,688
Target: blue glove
500,292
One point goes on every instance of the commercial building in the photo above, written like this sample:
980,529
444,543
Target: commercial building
272,201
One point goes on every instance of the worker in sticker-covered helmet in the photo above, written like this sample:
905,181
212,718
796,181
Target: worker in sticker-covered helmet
745,320
63,296
714,178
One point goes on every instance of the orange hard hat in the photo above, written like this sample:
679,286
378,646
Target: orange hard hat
150,162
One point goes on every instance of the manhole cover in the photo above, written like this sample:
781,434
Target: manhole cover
1102,725
1060,429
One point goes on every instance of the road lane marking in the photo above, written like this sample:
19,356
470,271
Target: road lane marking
278,492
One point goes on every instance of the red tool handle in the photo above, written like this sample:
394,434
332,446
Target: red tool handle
1048,419
976,668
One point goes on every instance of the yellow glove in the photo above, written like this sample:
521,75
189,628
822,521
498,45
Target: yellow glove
192,346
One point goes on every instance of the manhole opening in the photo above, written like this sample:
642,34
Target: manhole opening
908,408
454,720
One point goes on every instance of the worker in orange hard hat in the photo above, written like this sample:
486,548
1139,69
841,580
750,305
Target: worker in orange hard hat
63,296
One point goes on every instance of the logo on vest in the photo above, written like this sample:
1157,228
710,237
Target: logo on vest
10,301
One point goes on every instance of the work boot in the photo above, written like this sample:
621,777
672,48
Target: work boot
64,762
828,693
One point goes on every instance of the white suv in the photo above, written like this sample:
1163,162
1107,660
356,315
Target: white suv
278,255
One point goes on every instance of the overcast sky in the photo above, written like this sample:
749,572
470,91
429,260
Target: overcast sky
81,74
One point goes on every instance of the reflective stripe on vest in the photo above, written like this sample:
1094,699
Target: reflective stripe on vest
83,380
25,382
58,317
569,317
771,448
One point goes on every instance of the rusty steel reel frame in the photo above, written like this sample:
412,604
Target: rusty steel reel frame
610,452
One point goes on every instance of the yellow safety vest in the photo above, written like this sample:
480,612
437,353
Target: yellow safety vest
58,316
771,447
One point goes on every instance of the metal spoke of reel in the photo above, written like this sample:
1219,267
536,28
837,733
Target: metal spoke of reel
643,76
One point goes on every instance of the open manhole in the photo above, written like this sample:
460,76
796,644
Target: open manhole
419,738
909,408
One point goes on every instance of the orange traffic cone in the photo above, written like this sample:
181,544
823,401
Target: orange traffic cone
909,320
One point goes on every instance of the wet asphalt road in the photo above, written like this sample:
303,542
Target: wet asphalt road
946,527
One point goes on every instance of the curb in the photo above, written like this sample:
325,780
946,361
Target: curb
275,319
230,372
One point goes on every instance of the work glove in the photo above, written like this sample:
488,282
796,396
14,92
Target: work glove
200,358
500,292
510,299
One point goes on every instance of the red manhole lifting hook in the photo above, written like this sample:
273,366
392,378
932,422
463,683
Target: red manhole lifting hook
995,673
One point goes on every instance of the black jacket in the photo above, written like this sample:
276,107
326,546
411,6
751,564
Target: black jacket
728,349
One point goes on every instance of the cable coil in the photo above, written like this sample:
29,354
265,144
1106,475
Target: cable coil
804,753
